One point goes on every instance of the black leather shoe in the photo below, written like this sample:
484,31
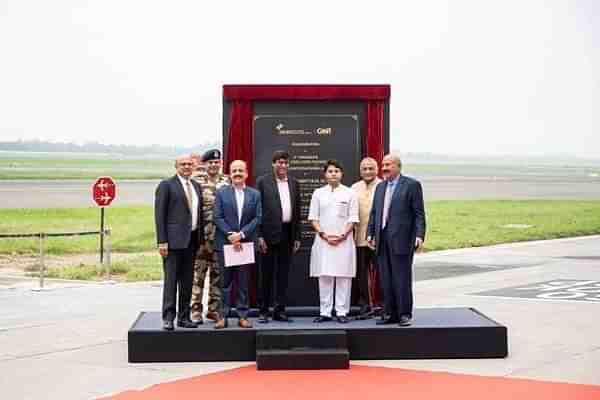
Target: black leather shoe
321,318
263,318
405,320
343,319
168,325
376,312
186,324
364,313
387,321
281,316
364,310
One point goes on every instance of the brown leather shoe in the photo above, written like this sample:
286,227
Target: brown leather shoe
196,315
244,323
222,323
212,315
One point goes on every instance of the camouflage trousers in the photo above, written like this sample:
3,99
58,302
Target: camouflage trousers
206,262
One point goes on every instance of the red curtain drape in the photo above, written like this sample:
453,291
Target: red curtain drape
374,136
240,142
375,149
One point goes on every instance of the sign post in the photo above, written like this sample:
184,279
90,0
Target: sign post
104,191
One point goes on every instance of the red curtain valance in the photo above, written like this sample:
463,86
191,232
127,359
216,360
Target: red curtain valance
306,92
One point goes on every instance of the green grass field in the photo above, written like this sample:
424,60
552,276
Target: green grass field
132,229
139,268
450,224
53,167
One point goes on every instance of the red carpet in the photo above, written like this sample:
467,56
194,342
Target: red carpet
358,383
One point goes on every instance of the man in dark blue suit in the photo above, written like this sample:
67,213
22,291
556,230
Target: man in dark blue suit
179,219
237,214
396,230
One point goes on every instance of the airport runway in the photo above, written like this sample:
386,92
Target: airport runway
43,194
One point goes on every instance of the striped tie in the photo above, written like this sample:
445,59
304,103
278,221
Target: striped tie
188,193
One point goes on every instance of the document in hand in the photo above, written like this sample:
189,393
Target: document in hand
242,257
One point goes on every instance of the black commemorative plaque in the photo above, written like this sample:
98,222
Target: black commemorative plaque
311,139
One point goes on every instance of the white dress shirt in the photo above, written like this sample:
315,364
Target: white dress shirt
194,210
286,202
387,199
239,199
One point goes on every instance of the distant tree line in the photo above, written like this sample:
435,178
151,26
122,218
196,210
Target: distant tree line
95,147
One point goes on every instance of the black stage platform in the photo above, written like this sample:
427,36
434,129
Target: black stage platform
435,333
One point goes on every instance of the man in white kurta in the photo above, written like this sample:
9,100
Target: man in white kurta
334,211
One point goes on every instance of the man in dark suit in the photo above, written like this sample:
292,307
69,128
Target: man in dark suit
396,230
279,234
178,217
237,214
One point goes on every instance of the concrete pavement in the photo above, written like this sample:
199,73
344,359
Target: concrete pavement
70,341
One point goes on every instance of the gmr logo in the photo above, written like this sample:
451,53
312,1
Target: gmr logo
324,131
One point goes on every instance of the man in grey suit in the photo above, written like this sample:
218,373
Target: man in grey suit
179,219
279,234
396,230
237,214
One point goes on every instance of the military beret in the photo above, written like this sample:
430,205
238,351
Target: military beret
211,155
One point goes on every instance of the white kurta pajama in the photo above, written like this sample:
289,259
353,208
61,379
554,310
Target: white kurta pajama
334,209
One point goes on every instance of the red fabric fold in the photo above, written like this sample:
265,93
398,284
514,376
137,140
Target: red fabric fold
240,138
374,139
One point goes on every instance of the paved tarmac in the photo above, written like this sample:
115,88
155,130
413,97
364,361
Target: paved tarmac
18,194
70,341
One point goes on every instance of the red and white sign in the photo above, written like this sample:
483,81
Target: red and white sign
104,191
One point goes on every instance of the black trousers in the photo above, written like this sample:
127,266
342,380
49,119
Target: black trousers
360,283
275,268
178,268
395,272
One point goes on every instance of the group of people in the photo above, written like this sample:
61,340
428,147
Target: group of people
373,224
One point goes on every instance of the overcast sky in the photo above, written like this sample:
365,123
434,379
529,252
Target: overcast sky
468,77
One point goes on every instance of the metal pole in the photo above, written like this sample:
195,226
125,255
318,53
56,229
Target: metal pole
42,267
107,258
101,235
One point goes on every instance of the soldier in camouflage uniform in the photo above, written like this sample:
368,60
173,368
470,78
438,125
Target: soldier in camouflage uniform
206,258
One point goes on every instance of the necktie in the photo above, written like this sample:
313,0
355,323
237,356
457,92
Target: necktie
188,193
387,201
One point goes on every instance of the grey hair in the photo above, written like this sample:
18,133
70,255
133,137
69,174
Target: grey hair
180,157
395,158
